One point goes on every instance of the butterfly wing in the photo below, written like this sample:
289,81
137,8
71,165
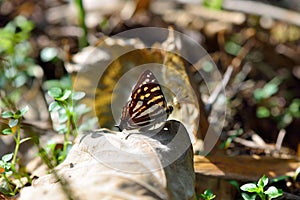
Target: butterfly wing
147,108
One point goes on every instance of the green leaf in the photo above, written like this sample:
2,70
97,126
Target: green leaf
209,195
6,40
7,157
249,187
55,92
208,66
13,122
286,119
24,110
17,114
64,83
20,80
258,94
23,23
203,196
89,124
268,90
48,53
51,146
248,196
297,172
262,112
7,131
54,106
294,108
7,114
273,192
7,168
20,112
81,109
104,24
279,178
25,139
235,184
66,94
63,117
263,181
78,95
232,48
5,164
4,189
61,129
213,4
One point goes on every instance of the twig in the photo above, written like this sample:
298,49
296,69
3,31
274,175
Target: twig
280,138
238,80
254,145
257,142
235,63
246,143
218,15
258,8
213,97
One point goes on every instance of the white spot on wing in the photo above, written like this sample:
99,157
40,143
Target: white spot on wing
138,105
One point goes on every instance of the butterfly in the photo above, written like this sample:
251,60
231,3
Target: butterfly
147,109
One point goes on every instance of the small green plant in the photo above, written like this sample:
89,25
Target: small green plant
69,117
83,40
15,128
259,190
63,104
284,116
268,90
270,106
213,4
264,94
207,195
16,66
8,163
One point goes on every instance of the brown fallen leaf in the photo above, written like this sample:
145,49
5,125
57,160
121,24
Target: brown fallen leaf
244,168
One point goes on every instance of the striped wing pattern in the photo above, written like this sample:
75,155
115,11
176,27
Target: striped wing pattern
147,108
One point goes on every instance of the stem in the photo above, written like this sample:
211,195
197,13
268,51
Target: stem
74,126
17,140
8,184
262,196
73,119
18,176
81,20
67,134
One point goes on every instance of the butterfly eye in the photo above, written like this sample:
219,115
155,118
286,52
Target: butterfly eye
147,109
